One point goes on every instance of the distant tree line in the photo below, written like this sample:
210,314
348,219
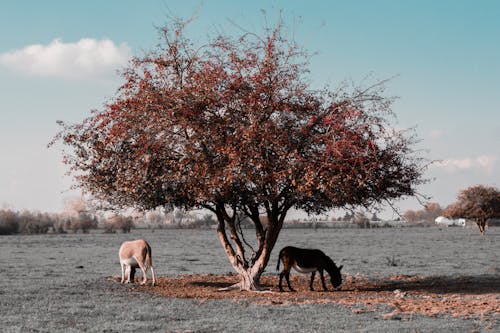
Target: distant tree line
78,216
26,222
178,218
476,203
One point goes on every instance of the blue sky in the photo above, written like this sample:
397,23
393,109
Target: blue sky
58,60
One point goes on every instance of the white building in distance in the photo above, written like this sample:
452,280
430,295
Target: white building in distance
441,220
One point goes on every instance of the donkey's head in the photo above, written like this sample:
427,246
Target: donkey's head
335,275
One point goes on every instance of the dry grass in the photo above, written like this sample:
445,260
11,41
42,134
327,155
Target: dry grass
59,283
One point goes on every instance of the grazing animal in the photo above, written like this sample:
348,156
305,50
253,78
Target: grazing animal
308,261
135,254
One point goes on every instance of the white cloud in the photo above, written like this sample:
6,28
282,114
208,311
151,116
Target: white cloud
482,163
86,59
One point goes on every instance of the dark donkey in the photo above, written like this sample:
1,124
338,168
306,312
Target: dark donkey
308,261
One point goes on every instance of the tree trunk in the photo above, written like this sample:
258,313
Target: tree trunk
249,276
249,280
249,270
481,223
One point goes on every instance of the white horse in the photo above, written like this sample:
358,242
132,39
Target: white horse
135,254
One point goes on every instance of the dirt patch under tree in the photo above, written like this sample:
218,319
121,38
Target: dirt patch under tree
396,297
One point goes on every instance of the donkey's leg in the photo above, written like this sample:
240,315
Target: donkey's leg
285,272
281,279
132,273
322,279
287,277
313,274
143,269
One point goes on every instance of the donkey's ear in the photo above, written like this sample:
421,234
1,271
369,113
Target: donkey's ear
340,267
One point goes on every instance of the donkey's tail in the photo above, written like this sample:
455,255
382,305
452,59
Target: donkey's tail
149,262
279,259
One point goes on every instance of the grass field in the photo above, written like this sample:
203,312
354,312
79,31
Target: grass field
66,283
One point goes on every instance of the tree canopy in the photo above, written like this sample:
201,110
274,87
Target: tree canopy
235,127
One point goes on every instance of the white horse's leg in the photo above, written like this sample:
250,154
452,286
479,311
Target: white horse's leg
153,274
122,265
128,268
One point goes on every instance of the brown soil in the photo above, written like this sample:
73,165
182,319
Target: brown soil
396,297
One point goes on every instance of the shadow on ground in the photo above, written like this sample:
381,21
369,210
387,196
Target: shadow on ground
483,284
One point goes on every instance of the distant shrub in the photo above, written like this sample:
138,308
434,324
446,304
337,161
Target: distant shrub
84,222
35,223
61,225
204,222
8,223
156,219
118,222
109,227
361,221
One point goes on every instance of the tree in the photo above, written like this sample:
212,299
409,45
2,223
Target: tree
81,215
431,211
410,216
9,223
234,127
428,214
478,203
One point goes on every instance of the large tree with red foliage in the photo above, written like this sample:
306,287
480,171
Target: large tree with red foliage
478,203
235,128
